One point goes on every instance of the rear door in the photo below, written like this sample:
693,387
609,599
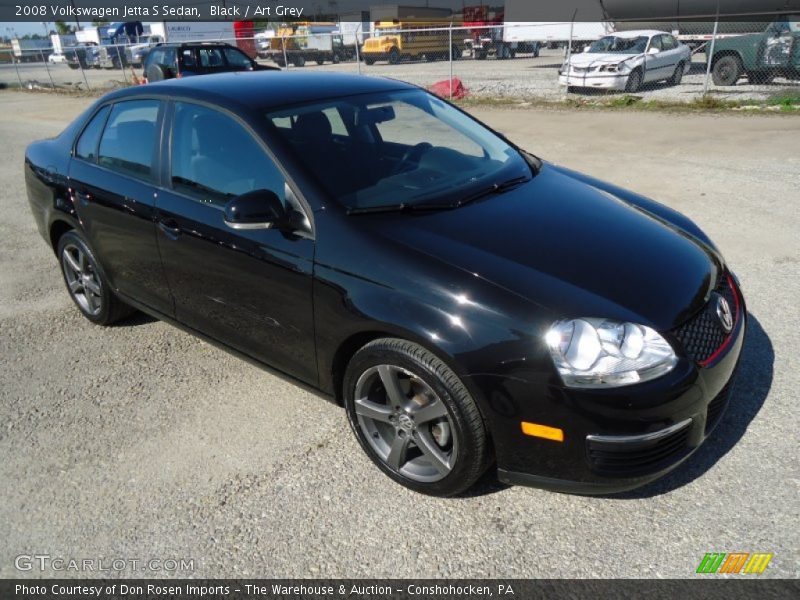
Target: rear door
113,175
673,51
248,288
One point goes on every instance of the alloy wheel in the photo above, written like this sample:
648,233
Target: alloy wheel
406,423
82,279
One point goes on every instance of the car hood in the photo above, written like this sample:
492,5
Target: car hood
569,247
597,59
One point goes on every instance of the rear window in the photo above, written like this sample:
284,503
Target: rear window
129,140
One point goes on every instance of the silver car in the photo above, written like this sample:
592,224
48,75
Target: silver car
627,60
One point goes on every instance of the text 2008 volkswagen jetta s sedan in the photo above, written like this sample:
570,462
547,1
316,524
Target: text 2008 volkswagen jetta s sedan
468,303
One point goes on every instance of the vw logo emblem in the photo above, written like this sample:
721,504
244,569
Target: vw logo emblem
405,422
724,314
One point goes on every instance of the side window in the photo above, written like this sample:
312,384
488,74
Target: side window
656,42
129,140
86,148
188,60
669,42
155,57
171,58
211,58
337,124
237,59
214,158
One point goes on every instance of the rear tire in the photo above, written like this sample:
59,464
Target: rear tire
727,70
86,284
415,418
677,76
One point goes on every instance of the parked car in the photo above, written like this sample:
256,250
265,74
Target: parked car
78,57
627,60
56,58
468,303
760,56
167,61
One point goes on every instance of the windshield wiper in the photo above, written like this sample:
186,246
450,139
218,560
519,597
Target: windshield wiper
495,188
386,208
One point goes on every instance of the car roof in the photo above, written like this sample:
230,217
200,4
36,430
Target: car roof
181,44
262,90
637,33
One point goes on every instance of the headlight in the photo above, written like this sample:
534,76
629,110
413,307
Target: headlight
596,353
610,68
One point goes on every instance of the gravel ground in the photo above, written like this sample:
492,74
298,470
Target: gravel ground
139,441
523,78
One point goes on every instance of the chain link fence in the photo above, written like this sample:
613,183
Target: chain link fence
749,62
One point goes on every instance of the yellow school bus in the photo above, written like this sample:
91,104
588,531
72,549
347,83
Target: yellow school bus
396,40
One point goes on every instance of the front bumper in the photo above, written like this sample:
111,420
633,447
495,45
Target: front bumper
375,56
613,440
605,81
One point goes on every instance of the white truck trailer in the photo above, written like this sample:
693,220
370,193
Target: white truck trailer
517,30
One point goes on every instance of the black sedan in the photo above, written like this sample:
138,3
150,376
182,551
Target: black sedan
468,303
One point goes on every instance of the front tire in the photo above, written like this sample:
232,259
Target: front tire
634,81
86,284
415,418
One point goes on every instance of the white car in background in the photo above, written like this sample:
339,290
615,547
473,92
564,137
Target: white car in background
627,60
56,57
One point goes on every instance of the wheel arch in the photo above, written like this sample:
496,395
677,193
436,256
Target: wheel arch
57,229
726,52
357,340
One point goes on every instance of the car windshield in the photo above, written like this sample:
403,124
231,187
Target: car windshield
614,44
405,148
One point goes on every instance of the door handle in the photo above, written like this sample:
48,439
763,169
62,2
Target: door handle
170,228
83,197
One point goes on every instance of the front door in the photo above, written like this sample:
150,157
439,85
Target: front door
250,289
113,179
656,64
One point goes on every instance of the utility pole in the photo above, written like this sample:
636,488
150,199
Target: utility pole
75,12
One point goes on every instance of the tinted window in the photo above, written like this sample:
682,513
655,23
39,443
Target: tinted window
171,58
214,158
86,147
397,130
188,60
237,59
155,57
211,58
128,142
402,148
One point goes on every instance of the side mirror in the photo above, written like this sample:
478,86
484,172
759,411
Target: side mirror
653,51
586,49
259,209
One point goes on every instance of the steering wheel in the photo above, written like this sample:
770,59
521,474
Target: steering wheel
413,154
